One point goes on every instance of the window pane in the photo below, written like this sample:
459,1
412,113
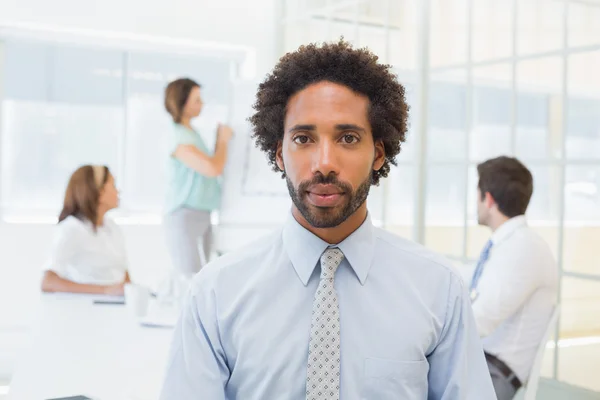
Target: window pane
26,64
543,213
375,202
548,359
43,143
492,112
372,18
583,119
582,219
448,33
539,109
492,29
87,76
444,209
540,26
584,29
534,121
579,358
446,138
47,136
582,194
149,72
403,34
399,210
296,33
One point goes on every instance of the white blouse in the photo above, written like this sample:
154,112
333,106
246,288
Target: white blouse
83,255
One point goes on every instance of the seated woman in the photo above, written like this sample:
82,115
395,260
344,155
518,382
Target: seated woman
88,254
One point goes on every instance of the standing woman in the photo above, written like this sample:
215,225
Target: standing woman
193,190
88,252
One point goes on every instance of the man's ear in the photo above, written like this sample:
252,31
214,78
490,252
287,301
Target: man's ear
379,155
279,157
489,200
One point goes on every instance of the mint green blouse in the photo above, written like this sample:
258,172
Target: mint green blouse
186,187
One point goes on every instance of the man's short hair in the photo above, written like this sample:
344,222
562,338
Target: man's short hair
357,69
509,182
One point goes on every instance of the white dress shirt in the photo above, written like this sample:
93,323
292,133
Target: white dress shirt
517,293
84,255
406,324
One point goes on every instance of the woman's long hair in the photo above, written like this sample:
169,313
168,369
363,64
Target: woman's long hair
176,95
83,193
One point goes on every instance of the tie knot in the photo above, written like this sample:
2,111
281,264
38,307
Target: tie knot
330,261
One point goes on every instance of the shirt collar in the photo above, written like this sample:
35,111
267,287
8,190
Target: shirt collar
508,228
305,248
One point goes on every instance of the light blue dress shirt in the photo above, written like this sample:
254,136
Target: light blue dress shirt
407,329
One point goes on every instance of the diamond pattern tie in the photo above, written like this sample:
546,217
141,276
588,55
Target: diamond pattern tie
323,370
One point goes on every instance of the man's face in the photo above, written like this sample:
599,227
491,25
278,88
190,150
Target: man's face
328,153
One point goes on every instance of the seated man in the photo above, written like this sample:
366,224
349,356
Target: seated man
515,284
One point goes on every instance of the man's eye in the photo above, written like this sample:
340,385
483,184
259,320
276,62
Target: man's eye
301,139
349,139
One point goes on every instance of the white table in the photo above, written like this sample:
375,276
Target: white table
100,351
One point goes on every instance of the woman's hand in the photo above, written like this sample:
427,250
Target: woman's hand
115,290
224,133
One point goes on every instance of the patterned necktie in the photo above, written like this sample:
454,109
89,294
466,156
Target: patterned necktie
485,253
323,370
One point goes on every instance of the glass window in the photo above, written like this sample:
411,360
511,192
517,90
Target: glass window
26,64
373,37
579,358
399,208
448,33
543,212
444,209
447,112
492,29
492,112
582,219
539,109
584,29
540,26
583,108
76,119
86,76
403,31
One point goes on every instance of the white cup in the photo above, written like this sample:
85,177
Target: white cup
136,299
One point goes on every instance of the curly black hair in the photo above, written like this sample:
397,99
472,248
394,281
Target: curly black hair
336,62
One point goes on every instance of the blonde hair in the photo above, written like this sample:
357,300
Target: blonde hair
100,172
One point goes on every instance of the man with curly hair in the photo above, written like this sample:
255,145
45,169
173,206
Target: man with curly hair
328,307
